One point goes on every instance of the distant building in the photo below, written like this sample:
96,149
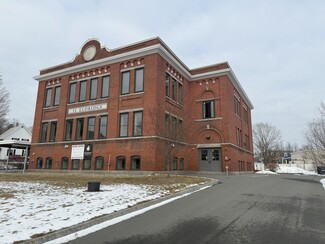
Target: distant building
18,133
139,107
300,160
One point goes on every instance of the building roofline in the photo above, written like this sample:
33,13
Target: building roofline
163,50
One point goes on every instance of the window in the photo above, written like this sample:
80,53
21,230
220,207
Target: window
48,97
99,163
39,163
239,137
138,84
181,163
247,144
72,92
237,106
105,86
245,115
53,131
93,88
124,124
48,164
87,164
75,164
167,84
208,109
180,129
174,163
137,124
120,163
102,127
125,82
174,123
68,130
135,162
64,163
44,132
79,129
91,128
82,92
174,89
57,96
167,125
180,93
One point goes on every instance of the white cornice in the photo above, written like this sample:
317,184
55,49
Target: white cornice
167,54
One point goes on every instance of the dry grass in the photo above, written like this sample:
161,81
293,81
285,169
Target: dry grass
71,180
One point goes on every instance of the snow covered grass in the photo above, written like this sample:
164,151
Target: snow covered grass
34,204
323,182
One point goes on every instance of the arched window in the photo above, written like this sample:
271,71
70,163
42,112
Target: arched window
120,163
64,163
135,162
48,163
39,163
99,163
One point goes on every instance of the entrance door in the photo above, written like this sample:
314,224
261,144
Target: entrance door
210,159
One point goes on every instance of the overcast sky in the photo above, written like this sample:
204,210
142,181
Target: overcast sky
276,48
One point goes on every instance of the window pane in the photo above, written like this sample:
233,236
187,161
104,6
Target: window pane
174,89
174,121
91,128
102,127
180,92
99,163
57,96
181,164
44,132
68,130
174,163
53,131
75,164
39,163
166,125
48,164
80,129
138,80
126,82
167,85
82,94
208,109
93,88
124,124
120,163
204,154
72,92
87,164
105,86
135,163
137,124
48,97
64,163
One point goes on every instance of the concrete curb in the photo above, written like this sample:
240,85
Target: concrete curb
84,225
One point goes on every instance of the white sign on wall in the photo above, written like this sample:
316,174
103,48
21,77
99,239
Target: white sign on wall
89,108
77,151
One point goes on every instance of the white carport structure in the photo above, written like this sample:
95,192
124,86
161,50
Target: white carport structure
17,145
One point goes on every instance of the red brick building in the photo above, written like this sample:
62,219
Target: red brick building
139,107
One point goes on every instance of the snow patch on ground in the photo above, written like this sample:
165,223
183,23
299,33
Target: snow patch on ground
266,172
38,208
323,182
284,169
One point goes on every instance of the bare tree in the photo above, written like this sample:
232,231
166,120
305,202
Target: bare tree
315,138
267,139
4,105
